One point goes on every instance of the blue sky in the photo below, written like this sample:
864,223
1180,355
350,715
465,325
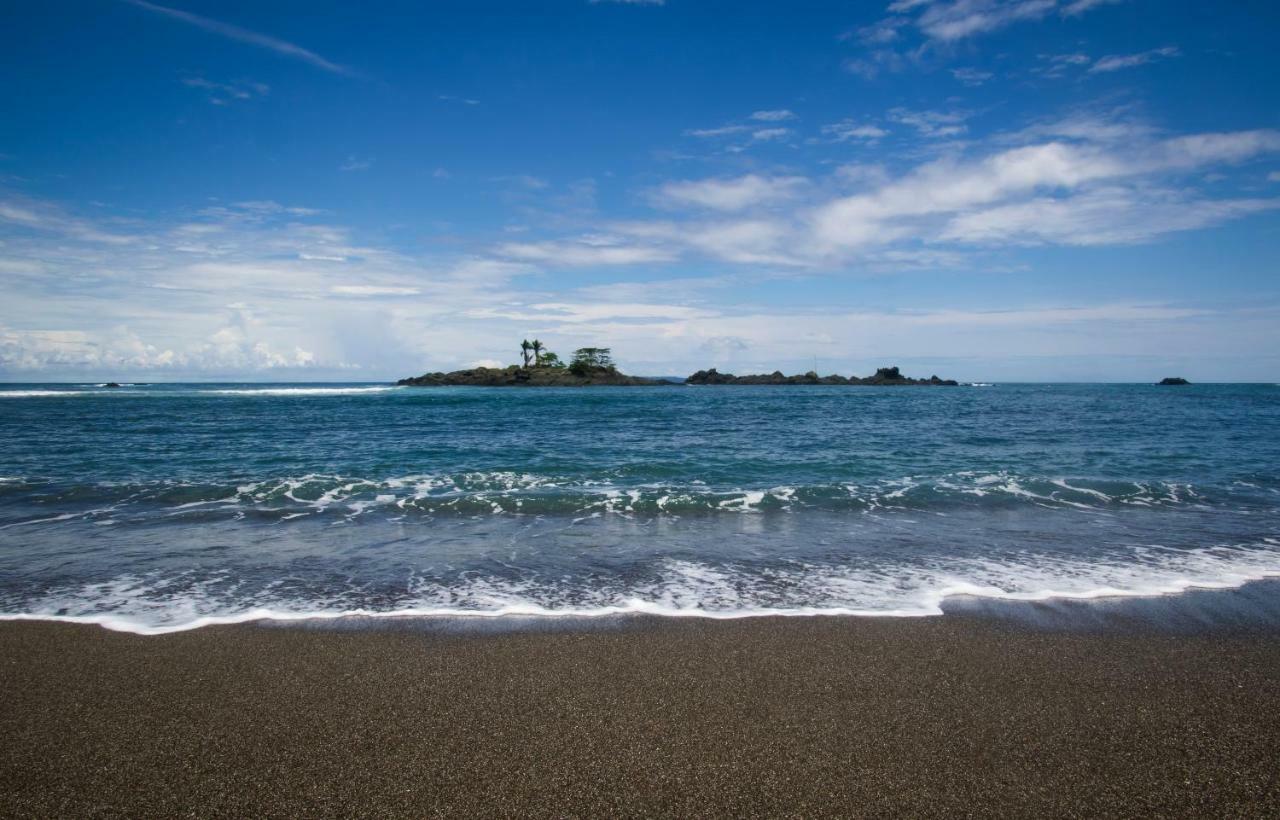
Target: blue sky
984,189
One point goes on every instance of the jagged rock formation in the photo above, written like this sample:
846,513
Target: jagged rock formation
515,376
885,376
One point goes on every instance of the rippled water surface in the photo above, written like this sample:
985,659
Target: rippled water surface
160,507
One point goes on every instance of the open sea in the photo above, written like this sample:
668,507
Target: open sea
155,508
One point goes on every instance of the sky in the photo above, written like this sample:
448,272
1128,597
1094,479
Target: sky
994,190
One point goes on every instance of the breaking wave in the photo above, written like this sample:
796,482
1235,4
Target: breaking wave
303,391
155,603
519,493
39,394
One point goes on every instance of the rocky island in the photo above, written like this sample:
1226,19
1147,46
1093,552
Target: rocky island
1173,381
884,376
591,366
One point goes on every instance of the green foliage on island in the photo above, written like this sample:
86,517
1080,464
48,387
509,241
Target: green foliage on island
592,360
539,367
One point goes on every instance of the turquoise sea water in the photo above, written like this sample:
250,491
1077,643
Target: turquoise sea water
158,507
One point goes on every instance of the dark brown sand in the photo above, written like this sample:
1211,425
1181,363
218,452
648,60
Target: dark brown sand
817,716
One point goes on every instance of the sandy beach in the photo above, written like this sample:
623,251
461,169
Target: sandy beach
757,717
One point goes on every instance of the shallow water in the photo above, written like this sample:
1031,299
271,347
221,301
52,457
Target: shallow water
161,507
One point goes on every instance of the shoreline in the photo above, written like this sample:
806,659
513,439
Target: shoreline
770,716
1251,605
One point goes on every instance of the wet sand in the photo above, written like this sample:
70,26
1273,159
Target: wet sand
763,717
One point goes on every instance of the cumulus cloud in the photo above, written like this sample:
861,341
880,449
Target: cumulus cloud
948,187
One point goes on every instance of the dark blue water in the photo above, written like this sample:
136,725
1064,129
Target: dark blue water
160,507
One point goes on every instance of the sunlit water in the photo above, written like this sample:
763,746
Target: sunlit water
153,508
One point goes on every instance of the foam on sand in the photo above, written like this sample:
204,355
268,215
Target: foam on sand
153,605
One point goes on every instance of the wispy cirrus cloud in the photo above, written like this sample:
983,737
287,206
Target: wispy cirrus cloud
774,115
971,76
229,92
587,251
952,20
354,163
1117,62
736,194
932,124
912,29
243,35
852,130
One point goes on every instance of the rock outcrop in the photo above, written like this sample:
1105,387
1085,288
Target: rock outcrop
515,376
1173,381
884,376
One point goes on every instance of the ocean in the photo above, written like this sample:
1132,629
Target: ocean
156,508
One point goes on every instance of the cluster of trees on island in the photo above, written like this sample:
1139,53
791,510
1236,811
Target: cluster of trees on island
539,367
585,361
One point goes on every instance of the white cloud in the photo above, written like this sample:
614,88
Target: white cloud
1088,128
575,312
971,76
374,290
226,93
244,36
943,187
959,19
585,252
722,131
940,24
735,194
777,115
934,124
235,346
1081,6
847,130
354,163
51,219
766,134
1056,65
1106,216
1116,62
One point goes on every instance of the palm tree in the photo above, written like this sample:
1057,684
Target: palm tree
537,352
525,347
